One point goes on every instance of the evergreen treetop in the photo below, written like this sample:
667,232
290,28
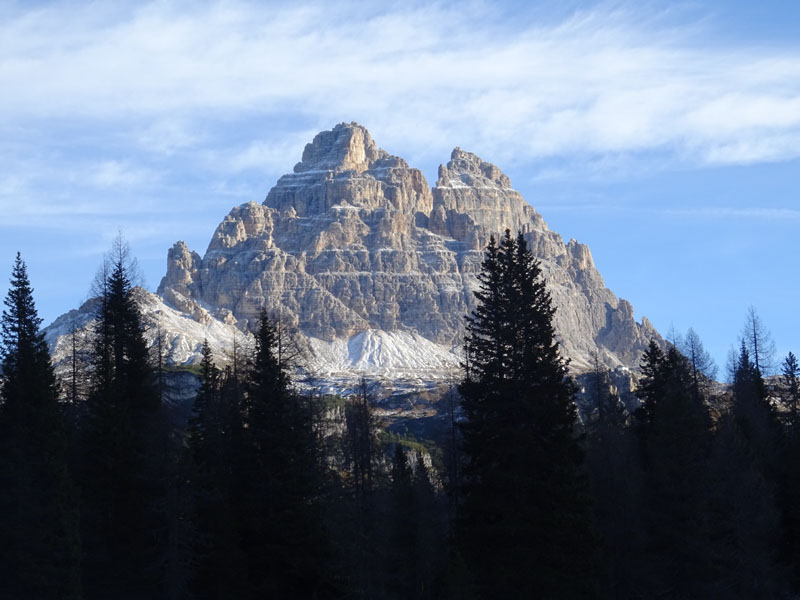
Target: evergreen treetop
524,522
39,541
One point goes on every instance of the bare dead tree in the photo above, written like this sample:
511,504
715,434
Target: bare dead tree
759,342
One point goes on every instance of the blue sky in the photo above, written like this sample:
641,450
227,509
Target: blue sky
664,135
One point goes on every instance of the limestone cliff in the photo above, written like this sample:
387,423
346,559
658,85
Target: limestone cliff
357,252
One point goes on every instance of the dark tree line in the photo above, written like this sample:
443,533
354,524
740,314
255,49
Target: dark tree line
268,492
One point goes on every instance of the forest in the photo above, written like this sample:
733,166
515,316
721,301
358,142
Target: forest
268,490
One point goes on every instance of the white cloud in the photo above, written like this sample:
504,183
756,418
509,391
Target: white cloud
119,174
261,155
423,78
167,136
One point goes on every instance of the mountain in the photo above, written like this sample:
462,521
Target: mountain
375,269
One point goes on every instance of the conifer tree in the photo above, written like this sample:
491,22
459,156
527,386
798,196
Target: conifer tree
278,481
702,365
360,444
676,441
39,541
758,341
402,542
650,388
789,471
429,538
754,414
743,519
791,384
123,449
217,559
615,479
524,522
205,424
748,484
363,546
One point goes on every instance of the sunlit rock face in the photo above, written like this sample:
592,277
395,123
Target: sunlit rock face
359,254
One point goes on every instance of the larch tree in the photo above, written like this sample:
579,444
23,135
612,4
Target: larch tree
702,365
758,341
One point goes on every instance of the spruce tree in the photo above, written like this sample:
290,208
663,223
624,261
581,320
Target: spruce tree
39,541
402,534
790,376
524,523
790,471
743,521
754,414
361,445
615,479
216,555
123,449
278,481
748,487
429,530
675,440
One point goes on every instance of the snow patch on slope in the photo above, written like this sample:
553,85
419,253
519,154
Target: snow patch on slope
377,354
400,360
181,335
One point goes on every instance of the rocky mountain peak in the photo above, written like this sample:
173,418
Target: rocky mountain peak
473,200
466,168
347,147
376,269
343,168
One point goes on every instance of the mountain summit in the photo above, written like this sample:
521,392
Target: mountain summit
354,242
375,269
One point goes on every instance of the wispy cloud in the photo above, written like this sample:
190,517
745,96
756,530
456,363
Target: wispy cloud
263,154
119,174
603,80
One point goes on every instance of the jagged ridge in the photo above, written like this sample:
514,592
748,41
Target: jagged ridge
354,240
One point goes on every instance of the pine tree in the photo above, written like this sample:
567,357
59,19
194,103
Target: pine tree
615,479
402,535
429,526
748,485
524,522
675,440
204,425
216,555
124,445
754,414
278,481
650,388
360,444
789,473
791,384
39,541
743,520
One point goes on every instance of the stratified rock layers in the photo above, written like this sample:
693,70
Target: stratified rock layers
355,241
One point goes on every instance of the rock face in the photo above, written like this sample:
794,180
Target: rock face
357,252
